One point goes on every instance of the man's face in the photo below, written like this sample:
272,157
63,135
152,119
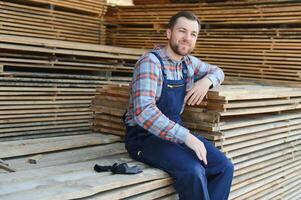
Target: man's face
183,36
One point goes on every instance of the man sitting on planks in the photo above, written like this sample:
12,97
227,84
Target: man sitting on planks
163,82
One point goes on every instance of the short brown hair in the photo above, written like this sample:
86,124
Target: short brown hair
187,14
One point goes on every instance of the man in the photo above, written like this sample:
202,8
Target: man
163,82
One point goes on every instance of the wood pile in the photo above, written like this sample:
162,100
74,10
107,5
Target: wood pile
62,168
223,13
257,127
45,104
46,86
97,8
17,51
19,18
108,107
250,40
250,55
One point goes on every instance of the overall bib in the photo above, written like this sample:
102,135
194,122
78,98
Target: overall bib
192,179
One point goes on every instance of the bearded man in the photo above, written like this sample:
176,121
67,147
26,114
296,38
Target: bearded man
164,81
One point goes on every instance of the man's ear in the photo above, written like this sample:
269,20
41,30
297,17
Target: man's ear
168,33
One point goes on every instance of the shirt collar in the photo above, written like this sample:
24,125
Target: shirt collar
164,56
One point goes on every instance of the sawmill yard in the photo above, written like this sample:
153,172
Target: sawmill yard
65,68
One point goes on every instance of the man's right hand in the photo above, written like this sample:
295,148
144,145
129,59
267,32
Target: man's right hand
197,146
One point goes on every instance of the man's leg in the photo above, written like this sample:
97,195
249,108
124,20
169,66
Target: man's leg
219,172
179,161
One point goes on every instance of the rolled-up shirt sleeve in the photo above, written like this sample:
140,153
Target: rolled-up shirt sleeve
147,77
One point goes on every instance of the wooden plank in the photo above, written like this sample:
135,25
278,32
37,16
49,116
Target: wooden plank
264,154
130,191
257,135
17,148
64,25
264,145
44,125
45,133
72,188
97,8
275,175
159,193
70,45
37,174
69,156
265,167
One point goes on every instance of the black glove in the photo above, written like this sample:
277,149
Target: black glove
122,168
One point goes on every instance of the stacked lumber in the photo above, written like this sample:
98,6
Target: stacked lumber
46,86
17,51
224,13
62,168
143,15
40,22
249,40
272,58
257,127
108,107
45,104
92,7
31,108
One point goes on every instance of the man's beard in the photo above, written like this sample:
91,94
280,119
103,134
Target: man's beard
176,48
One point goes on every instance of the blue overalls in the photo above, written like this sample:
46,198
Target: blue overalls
192,179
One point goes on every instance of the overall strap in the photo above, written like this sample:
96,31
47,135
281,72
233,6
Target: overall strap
160,59
162,65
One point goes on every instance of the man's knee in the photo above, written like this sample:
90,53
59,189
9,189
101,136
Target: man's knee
192,173
229,168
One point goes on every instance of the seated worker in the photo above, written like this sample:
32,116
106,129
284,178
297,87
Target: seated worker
164,80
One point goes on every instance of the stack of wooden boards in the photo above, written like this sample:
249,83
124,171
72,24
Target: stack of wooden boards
62,168
49,70
97,8
44,104
17,51
257,127
108,107
46,86
250,40
53,22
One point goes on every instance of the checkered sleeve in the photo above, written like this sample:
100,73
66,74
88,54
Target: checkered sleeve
147,77
203,69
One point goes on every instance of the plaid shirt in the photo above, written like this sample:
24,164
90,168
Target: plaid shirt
146,87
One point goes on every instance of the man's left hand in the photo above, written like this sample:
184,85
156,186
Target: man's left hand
196,94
